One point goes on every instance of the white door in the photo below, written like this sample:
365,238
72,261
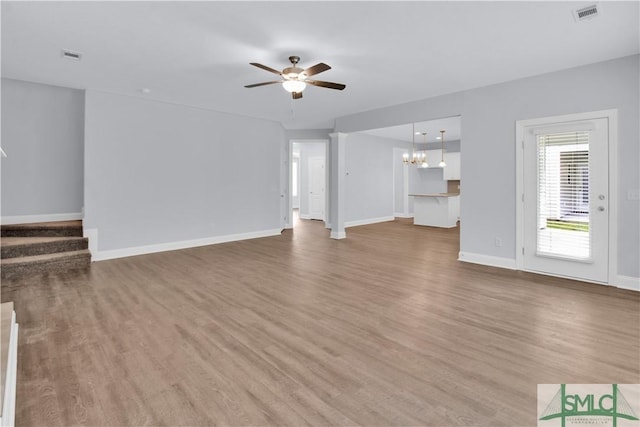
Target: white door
316,188
295,182
566,199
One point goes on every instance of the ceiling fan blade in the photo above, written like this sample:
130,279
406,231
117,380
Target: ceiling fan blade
338,86
263,84
264,67
296,95
316,69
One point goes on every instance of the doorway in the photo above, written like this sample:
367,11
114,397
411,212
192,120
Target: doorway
317,179
566,208
307,172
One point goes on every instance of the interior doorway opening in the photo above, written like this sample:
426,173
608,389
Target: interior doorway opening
308,181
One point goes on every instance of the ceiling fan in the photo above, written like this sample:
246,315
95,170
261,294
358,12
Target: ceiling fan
295,79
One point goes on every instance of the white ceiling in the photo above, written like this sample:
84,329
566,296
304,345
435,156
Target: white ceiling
198,53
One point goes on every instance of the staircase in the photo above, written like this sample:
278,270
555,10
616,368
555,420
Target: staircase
42,247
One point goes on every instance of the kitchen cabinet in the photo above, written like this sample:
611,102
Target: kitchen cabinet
436,210
451,172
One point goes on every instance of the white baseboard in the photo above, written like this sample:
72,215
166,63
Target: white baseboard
185,244
402,215
623,282
338,235
304,216
628,282
368,221
27,219
492,261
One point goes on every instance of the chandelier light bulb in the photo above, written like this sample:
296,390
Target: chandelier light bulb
294,85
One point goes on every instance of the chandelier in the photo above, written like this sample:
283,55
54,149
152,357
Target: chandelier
419,157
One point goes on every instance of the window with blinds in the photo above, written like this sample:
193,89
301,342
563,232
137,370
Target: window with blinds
563,195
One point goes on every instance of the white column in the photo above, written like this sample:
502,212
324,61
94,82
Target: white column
338,184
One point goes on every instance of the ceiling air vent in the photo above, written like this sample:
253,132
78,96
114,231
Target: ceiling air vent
68,54
586,13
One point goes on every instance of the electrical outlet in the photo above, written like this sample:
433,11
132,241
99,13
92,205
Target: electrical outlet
498,242
633,194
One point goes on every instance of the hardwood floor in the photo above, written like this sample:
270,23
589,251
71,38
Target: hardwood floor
383,328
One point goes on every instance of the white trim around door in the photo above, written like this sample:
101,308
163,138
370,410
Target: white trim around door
521,126
289,198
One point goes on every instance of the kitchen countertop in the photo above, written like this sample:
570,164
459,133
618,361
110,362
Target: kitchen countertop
436,195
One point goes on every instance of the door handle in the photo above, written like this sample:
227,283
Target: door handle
601,208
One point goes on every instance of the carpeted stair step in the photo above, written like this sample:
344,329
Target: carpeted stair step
13,247
63,261
43,229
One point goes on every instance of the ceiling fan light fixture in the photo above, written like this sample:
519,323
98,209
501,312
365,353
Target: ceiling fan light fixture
294,79
294,85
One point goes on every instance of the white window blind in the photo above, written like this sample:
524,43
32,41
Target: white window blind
563,195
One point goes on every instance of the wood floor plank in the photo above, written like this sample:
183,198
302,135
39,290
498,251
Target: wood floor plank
383,328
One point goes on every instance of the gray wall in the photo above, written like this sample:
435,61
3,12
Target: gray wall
488,206
398,181
43,136
158,172
369,183
308,133
449,146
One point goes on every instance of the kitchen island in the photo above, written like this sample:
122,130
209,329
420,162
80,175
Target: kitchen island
436,210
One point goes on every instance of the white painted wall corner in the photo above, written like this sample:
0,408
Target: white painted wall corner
338,235
628,282
92,235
